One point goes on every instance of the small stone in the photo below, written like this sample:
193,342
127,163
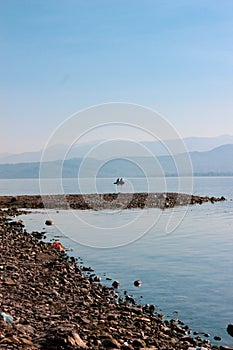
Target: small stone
130,299
137,283
48,222
217,338
97,279
151,308
26,341
189,339
9,282
115,284
85,268
138,343
11,267
20,223
78,340
111,343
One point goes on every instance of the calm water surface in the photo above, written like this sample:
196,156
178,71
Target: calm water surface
186,272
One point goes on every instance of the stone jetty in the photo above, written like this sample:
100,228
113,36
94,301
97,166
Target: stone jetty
47,302
105,201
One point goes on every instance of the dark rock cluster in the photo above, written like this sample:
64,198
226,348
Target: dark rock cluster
54,306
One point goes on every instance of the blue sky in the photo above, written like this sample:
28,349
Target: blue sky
60,56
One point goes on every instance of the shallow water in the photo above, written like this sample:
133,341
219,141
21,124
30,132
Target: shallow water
187,271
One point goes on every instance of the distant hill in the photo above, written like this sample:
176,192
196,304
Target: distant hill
198,144
217,162
204,144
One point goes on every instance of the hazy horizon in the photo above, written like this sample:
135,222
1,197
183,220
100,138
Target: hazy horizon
87,143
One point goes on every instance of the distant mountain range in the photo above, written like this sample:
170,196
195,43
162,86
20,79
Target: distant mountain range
216,162
198,144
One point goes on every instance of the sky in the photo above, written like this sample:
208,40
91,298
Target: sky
61,56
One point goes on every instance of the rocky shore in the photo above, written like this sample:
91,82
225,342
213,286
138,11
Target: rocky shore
105,201
53,305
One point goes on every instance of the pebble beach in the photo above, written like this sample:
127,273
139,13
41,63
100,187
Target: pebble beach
52,304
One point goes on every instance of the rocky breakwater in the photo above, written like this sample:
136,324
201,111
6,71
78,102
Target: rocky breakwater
48,303
105,201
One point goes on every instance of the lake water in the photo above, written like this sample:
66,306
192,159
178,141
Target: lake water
186,270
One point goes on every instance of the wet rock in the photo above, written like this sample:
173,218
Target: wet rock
48,222
217,338
189,339
85,268
199,339
97,279
20,223
138,283
38,235
151,308
115,284
230,329
130,299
